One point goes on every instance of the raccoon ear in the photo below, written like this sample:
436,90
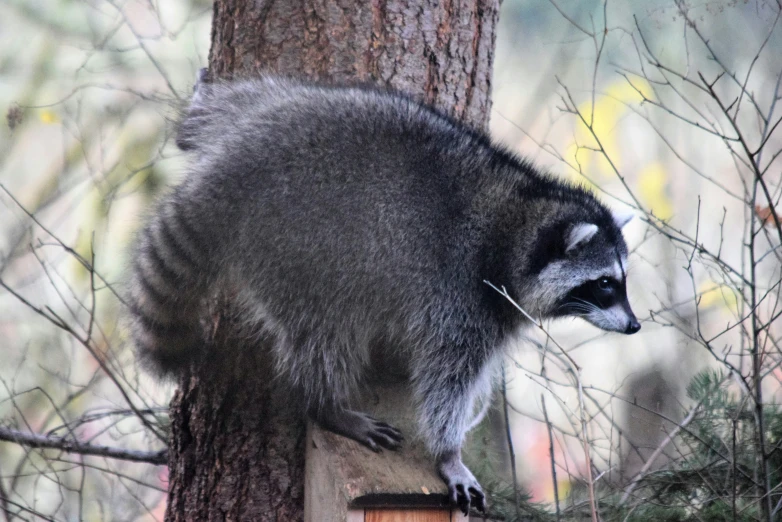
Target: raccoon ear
578,235
622,218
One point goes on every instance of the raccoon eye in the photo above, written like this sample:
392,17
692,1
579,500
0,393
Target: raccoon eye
605,284
604,292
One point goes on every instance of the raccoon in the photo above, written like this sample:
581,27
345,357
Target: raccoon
340,219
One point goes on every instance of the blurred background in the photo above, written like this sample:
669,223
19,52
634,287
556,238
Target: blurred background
667,109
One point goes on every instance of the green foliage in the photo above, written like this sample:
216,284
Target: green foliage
711,476
653,512
503,505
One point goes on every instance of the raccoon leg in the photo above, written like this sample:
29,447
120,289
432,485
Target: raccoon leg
360,427
327,378
446,396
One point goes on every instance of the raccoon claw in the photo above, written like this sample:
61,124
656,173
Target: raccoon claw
463,489
474,496
479,499
383,434
364,429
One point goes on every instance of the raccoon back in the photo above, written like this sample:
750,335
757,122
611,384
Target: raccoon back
340,214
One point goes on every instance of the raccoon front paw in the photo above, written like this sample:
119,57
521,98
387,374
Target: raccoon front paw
377,434
463,489
364,429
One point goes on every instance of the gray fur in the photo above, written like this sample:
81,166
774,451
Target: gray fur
341,220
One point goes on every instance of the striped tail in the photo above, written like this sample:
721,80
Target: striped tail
167,292
189,131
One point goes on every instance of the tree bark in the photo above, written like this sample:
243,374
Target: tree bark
438,50
236,450
237,446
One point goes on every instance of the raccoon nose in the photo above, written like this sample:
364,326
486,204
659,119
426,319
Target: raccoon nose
633,326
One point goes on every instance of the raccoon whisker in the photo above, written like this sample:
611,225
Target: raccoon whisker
571,304
587,305
575,308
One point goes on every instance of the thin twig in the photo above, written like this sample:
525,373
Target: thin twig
575,371
511,452
34,440
551,455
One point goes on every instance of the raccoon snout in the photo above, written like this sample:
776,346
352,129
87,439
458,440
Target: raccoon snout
633,326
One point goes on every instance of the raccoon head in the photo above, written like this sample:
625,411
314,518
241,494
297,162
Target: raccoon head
586,274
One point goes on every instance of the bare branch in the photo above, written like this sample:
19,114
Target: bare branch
33,440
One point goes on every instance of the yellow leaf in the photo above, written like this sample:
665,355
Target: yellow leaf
652,187
609,109
715,295
49,117
606,115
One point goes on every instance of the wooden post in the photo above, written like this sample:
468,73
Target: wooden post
345,481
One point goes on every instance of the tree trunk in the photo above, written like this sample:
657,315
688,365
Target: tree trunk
440,51
237,446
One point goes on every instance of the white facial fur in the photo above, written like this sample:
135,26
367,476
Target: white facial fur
560,276
613,319
555,278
